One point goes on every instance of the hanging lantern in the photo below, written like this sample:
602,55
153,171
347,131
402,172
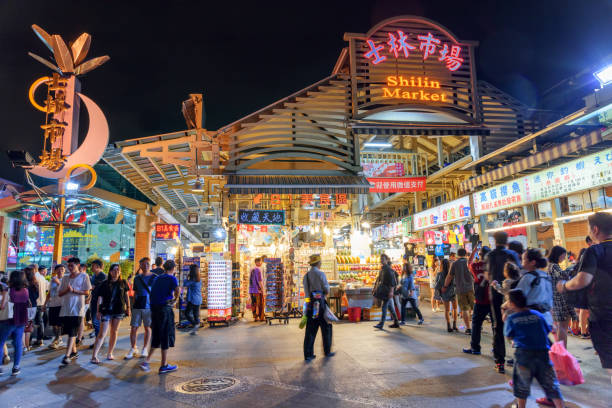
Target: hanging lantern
70,218
37,217
55,214
82,217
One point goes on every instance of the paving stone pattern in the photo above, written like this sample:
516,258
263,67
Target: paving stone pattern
416,366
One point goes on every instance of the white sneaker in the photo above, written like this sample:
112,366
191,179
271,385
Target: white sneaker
60,343
130,354
145,353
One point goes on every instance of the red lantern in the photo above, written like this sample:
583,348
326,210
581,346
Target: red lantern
83,217
55,214
70,218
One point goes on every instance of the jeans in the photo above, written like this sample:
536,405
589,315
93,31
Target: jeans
39,323
534,363
387,304
7,330
312,327
414,307
192,313
480,313
94,319
499,342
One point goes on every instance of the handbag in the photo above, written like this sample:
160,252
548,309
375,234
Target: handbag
381,291
329,316
580,298
31,313
7,312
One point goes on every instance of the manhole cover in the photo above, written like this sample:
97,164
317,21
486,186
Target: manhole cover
206,385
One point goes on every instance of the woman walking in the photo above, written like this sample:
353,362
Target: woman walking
435,269
19,296
194,298
113,305
562,312
54,304
448,296
32,287
385,287
409,293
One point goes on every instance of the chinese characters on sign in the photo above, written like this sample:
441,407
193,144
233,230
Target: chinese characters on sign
428,44
167,232
261,217
397,185
446,213
577,175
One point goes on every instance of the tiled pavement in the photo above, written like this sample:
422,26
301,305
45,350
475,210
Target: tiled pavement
411,367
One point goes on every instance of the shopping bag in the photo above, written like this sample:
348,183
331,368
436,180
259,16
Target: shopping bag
31,313
303,321
329,316
566,366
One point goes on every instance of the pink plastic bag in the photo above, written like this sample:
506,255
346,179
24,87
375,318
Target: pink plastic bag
566,366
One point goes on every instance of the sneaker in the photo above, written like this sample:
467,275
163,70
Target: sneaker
38,343
74,356
168,368
16,371
500,368
60,343
378,326
585,336
468,332
545,401
471,351
144,366
130,354
420,322
145,353
402,323
395,326
510,362
65,362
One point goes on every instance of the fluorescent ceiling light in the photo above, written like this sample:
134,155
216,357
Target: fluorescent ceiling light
377,144
570,217
507,227
604,76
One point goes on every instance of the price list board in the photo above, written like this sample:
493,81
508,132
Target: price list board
219,290
275,285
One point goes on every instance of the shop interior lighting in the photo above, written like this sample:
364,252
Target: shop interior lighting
70,186
571,217
316,229
507,227
378,143
365,225
604,76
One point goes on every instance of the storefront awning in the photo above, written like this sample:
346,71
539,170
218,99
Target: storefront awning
298,184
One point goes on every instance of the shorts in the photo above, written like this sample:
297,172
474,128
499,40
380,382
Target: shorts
162,327
54,317
141,316
107,318
71,325
534,363
601,336
465,301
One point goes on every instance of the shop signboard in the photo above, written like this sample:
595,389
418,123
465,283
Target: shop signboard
397,184
453,211
406,226
167,232
261,217
581,174
375,169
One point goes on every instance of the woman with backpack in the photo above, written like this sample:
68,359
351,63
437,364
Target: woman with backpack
113,306
562,311
408,292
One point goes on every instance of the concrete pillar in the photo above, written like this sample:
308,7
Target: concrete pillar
532,234
440,153
475,149
142,238
418,197
558,228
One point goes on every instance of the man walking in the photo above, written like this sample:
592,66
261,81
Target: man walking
256,292
315,289
482,306
464,284
164,294
74,288
494,270
158,270
98,277
141,313
39,321
596,274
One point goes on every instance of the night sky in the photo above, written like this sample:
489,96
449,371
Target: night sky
245,55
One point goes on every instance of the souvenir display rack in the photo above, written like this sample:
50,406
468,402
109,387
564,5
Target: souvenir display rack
276,308
219,292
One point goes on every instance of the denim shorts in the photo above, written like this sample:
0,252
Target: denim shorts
530,364
107,318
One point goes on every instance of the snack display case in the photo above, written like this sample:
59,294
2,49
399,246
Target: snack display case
219,292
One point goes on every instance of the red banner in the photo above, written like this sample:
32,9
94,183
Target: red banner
397,185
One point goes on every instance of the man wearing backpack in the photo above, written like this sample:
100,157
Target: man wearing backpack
595,275
494,270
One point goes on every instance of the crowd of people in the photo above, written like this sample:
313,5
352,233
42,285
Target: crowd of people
29,301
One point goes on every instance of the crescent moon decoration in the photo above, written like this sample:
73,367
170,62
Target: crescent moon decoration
92,148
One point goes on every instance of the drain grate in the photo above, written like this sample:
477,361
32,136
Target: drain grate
206,385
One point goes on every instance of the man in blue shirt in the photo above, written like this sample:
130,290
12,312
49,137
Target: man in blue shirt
164,294
141,313
528,331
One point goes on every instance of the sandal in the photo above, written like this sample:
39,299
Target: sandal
111,357
95,361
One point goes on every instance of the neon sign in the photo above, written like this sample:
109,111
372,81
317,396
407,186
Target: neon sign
428,45
413,88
